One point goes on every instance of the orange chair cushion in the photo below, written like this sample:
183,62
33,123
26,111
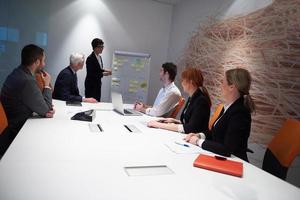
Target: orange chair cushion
286,143
3,119
177,108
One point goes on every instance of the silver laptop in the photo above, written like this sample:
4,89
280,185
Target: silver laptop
117,102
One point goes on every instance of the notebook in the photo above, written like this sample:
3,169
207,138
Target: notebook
117,102
219,164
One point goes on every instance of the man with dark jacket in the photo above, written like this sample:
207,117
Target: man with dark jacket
21,96
66,87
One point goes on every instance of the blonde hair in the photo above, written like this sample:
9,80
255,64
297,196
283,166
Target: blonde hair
241,78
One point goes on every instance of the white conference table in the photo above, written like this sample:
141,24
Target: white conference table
61,159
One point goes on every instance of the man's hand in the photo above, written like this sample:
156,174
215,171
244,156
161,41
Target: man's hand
50,113
46,77
89,100
140,107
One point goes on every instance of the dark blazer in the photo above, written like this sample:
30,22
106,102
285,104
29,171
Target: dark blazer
230,134
20,97
66,87
94,73
195,115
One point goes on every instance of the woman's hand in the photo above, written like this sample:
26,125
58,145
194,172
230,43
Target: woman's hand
192,138
154,124
169,121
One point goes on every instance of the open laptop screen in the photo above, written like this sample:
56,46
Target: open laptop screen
117,102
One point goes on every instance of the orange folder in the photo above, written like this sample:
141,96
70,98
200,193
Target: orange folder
219,164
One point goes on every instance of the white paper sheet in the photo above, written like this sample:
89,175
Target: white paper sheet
181,147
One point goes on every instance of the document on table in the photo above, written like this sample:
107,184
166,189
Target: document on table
182,147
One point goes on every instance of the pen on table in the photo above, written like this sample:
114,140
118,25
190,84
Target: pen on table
185,145
128,128
100,128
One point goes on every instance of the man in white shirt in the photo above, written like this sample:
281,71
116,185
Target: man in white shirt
168,96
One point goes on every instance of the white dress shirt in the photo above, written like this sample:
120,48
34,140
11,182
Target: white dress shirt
167,98
99,60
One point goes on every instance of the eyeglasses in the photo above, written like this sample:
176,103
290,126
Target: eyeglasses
100,46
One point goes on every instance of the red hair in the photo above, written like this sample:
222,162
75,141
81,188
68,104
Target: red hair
195,76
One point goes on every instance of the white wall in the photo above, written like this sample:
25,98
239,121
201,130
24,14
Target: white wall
19,24
188,14
129,25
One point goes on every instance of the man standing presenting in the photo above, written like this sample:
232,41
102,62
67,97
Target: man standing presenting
168,95
66,87
95,71
21,96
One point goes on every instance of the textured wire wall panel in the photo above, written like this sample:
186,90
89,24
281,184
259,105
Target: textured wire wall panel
267,43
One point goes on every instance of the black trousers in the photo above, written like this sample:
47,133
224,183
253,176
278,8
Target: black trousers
6,139
93,90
